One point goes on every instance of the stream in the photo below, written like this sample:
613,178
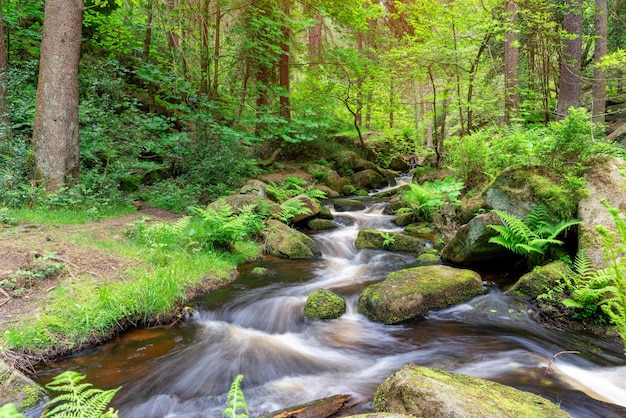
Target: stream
256,327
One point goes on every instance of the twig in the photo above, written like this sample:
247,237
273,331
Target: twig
554,358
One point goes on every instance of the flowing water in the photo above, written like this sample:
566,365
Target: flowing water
256,327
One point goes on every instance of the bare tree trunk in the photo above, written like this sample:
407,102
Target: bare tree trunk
147,40
5,114
569,80
598,107
511,63
283,66
205,59
315,38
55,129
216,49
391,100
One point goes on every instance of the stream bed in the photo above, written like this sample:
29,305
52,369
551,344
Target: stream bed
256,327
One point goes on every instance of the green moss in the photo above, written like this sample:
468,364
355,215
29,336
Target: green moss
324,304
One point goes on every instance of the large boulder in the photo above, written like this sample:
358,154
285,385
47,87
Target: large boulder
604,181
412,292
283,241
389,241
357,163
424,392
347,205
540,280
327,176
367,179
324,304
518,190
471,243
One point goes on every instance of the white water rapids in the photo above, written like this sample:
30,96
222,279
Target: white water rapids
257,328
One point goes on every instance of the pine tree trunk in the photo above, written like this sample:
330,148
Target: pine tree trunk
511,64
5,115
55,129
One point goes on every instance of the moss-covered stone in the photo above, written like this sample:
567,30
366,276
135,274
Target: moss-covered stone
259,271
18,389
324,304
307,202
283,241
403,219
318,224
428,259
540,280
368,179
390,241
412,292
347,205
424,392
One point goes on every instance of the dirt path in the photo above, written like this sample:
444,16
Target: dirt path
34,259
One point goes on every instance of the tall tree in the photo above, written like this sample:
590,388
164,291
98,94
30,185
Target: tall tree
5,116
55,129
284,71
571,56
511,63
598,107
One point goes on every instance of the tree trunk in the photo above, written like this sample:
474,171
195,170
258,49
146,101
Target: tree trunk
147,40
315,38
598,107
205,63
569,80
5,115
216,49
283,66
511,64
55,129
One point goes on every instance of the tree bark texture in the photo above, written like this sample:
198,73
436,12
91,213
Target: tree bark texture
569,80
284,73
598,106
5,115
511,63
55,129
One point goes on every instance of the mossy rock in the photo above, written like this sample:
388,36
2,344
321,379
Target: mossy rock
428,259
307,202
254,187
389,241
260,271
318,224
367,179
347,205
540,280
283,241
403,219
413,292
324,304
18,389
425,392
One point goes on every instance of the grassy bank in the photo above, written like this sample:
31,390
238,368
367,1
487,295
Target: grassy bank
84,306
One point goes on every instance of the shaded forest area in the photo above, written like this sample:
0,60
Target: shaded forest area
175,102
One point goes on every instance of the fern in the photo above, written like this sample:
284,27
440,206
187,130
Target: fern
78,400
236,404
10,411
292,208
535,238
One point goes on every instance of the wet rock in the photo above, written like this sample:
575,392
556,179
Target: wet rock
18,389
412,292
347,205
428,259
471,243
424,392
389,241
259,271
318,224
324,304
283,241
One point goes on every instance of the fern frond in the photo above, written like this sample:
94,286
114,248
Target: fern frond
236,404
80,400
584,266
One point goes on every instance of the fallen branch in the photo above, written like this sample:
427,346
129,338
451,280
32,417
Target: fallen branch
554,358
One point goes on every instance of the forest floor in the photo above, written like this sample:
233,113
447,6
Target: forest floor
37,258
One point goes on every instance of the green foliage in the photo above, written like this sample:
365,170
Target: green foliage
78,400
10,411
388,239
535,237
614,304
236,403
427,200
41,268
292,186
289,209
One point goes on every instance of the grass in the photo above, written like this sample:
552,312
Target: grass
83,309
68,216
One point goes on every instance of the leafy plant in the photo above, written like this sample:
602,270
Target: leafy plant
78,400
535,238
614,305
289,209
388,239
236,403
428,199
